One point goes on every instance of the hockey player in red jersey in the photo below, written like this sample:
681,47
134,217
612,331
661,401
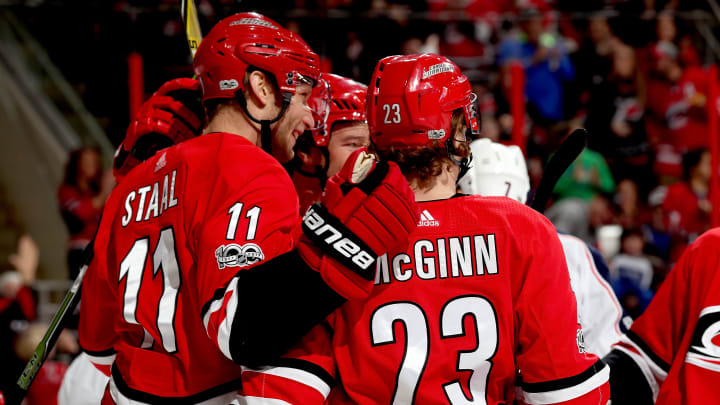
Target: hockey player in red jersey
479,299
671,354
194,269
340,129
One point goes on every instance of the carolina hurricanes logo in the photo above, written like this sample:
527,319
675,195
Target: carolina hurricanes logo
704,348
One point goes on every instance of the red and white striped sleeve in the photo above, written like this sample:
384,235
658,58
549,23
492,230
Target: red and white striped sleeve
304,376
247,220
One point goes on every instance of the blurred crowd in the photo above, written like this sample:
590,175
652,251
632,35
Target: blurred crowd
632,72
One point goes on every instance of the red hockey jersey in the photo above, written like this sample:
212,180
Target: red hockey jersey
676,341
477,303
160,292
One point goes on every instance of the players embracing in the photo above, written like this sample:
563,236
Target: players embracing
197,266
475,307
199,270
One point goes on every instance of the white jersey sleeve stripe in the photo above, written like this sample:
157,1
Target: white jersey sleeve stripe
214,306
304,377
705,362
569,393
261,401
225,327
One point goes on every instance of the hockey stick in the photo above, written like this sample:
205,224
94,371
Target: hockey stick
56,327
194,35
559,162
192,25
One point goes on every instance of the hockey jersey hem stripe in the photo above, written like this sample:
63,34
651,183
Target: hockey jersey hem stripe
655,360
263,401
596,380
99,353
101,360
136,395
567,382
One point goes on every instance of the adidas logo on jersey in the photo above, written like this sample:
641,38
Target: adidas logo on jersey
160,163
427,220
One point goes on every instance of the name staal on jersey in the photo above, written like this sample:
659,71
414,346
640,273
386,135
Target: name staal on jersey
158,298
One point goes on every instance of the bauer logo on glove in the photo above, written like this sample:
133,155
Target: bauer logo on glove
367,208
343,246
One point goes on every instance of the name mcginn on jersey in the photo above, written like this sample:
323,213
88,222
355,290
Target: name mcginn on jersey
457,256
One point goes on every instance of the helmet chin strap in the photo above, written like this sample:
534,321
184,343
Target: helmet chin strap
265,133
464,163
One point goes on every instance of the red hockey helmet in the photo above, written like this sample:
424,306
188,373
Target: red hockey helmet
411,100
251,39
345,101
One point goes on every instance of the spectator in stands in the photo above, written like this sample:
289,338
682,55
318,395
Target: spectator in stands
593,60
19,335
631,273
615,120
81,197
579,196
586,177
677,106
666,29
655,228
547,66
687,206
17,310
630,210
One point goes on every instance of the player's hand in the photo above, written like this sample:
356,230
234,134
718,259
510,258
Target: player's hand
367,208
171,115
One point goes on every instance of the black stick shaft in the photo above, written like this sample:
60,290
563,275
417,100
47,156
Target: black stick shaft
568,151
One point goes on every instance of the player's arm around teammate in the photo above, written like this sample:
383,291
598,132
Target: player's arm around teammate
435,330
213,230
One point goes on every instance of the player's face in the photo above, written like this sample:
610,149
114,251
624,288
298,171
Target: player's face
344,140
294,122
